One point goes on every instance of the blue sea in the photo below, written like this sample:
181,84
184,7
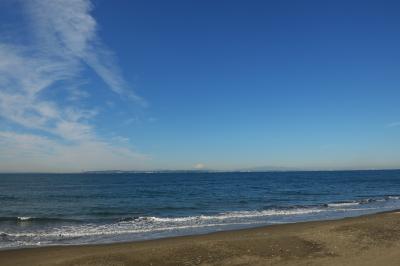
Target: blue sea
65,209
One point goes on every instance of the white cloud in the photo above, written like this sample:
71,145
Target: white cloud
65,42
39,153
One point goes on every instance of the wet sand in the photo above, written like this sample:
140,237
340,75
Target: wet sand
366,240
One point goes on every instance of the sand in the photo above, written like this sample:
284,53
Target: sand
366,240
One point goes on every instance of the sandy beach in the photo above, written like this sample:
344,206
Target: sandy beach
366,240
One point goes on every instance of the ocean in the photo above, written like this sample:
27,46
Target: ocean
65,209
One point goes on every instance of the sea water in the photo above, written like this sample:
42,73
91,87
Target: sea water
65,209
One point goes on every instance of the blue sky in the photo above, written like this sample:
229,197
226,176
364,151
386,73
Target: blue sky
199,84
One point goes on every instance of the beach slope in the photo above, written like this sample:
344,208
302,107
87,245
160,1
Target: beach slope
366,240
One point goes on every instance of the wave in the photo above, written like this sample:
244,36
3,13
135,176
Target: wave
269,210
364,201
393,197
152,224
35,219
242,214
219,216
24,218
4,197
343,204
48,231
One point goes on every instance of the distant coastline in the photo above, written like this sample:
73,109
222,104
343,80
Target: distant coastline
255,170
246,170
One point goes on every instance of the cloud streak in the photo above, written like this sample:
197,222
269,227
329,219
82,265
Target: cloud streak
394,124
64,43
66,29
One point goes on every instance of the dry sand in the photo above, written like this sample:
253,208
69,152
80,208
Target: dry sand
366,240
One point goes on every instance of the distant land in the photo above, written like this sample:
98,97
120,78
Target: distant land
255,169
242,170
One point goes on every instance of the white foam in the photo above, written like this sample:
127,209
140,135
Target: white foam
23,218
394,197
237,215
155,224
164,226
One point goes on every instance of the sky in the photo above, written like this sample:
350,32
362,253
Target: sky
223,85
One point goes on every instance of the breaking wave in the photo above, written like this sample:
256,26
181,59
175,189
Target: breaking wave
32,231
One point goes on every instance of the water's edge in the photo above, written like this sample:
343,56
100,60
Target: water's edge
33,247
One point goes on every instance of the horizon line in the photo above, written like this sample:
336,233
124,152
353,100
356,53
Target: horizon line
204,171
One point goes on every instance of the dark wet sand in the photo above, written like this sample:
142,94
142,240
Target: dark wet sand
366,240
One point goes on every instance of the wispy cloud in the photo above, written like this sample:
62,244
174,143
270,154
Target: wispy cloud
65,41
39,153
393,124
67,29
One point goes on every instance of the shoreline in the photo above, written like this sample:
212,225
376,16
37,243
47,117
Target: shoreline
346,241
245,228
